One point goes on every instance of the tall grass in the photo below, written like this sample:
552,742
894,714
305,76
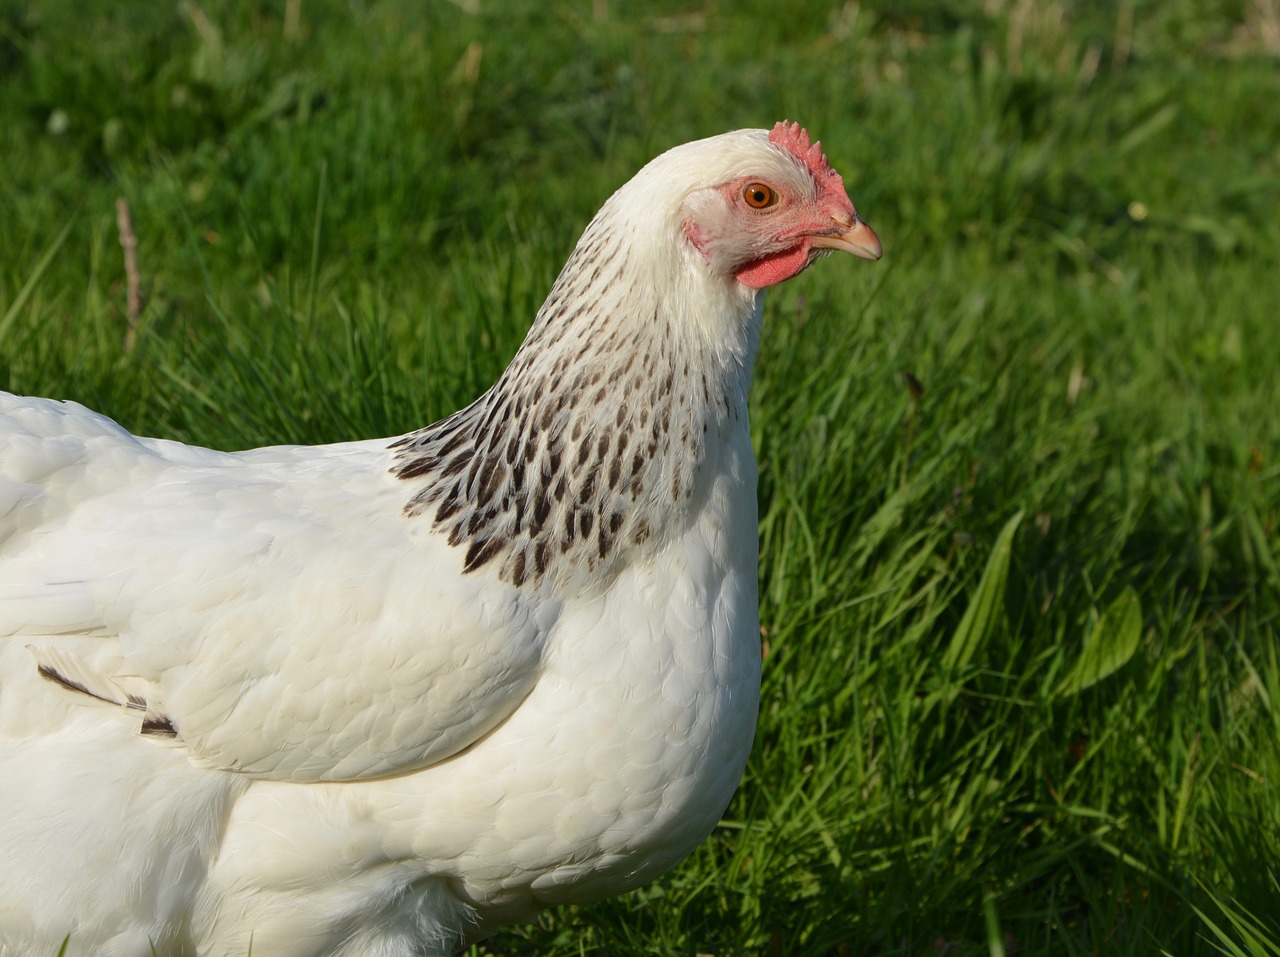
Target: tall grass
1020,482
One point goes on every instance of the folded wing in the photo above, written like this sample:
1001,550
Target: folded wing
273,611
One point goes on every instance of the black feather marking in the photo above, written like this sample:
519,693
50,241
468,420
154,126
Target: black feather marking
454,467
518,568
415,467
448,508
455,442
52,674
490,479
159,725
480,551
497,413
541,508
587,494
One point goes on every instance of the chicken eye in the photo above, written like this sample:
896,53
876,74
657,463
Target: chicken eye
759,196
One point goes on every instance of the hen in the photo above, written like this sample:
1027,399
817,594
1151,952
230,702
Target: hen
379,698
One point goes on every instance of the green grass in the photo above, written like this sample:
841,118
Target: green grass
1022,684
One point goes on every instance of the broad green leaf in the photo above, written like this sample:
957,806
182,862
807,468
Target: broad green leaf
1109,646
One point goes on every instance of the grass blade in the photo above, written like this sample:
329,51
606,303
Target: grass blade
984,610
28,287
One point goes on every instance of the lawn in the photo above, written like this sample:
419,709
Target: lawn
1020,481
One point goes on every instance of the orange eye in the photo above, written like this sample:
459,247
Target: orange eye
759,196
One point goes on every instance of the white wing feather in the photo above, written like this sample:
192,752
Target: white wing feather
275,606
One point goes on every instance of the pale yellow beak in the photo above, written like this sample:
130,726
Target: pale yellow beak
857,238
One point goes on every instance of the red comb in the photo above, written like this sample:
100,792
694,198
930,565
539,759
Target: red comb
794,138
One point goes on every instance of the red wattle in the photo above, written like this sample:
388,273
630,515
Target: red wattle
774,269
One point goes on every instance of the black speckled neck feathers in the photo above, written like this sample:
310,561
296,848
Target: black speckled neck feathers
593,441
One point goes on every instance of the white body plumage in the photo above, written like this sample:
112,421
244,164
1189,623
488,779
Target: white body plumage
378,698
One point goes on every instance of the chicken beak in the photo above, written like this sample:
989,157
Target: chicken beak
857,238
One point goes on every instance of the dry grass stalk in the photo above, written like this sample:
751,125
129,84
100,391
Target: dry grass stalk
133,279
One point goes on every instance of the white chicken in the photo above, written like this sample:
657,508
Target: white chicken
379,698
